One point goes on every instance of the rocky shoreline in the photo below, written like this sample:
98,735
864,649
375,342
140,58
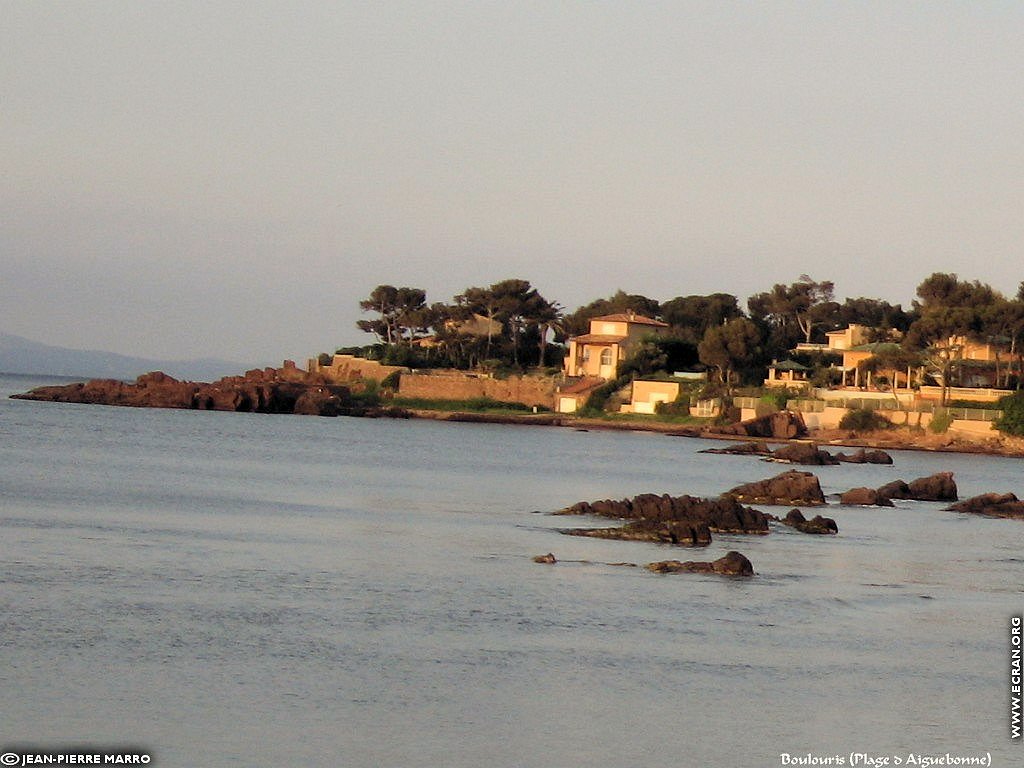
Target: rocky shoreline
272,390
289,390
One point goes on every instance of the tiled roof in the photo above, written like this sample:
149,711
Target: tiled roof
624,317
597,338
583,385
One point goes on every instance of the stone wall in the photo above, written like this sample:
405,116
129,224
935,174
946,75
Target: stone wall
456,385
348,368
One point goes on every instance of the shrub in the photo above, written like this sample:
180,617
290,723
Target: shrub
864,420
391,381
940,422
776,397
1012,420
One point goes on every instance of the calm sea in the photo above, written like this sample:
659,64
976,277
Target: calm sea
245,590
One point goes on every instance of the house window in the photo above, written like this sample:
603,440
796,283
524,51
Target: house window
586,354
606,356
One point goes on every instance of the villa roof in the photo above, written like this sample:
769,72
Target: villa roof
875,347
583,385
789,365
598,338
624,317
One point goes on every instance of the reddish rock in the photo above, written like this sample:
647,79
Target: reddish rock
864,497
722,515
991,505
261,391
803,453
791,489
732,564
937,487
865,457
319,401
676,532
742,449
548,559
816,525
897,489
783,425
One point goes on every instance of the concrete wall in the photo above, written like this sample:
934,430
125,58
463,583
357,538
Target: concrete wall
647,394
455,385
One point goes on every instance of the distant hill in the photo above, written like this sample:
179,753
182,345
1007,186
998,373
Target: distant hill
20,355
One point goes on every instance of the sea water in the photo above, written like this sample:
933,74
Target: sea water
226,589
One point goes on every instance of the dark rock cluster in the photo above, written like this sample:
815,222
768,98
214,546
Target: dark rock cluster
270,390
802,453
991,505
938,487
816,525
783,425
732,564
790,489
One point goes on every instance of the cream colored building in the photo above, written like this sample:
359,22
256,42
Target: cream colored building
611,340
647,394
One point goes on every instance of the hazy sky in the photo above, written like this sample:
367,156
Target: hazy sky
183,179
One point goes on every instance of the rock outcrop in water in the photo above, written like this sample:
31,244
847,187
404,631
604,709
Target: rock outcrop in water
790,489
271,390
865,497
803,453
677,532
720,515
937,487
686,521
865,457
991,505
741,449
783,425
808,454
816,525
732,564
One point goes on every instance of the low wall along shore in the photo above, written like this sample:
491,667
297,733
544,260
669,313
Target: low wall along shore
452,385
348,368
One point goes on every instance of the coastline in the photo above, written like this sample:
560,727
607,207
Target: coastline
895,439
289,391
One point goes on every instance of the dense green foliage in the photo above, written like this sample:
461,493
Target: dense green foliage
941,421
864,420
1012,420
509,327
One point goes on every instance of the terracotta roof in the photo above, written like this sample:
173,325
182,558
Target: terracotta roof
789,365
597,338
583,385
624,317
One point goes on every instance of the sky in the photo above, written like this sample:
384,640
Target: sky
191,179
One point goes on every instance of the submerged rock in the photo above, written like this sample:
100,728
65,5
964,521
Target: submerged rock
803,453
937,487
865,457
816,525
722,515
679,533
897,489
742,449
791,489
865,497
732,564
991,505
